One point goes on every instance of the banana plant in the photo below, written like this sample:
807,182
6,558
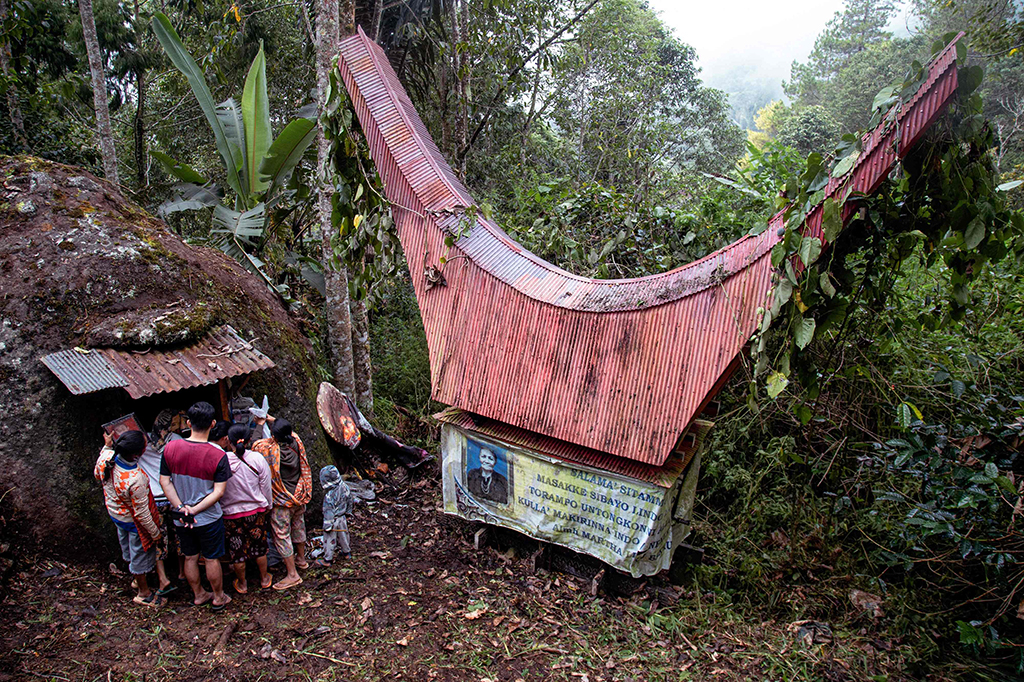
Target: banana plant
257,168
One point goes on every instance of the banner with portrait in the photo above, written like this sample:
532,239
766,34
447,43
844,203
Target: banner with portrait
630,524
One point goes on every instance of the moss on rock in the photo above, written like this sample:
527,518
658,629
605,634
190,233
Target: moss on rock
127,282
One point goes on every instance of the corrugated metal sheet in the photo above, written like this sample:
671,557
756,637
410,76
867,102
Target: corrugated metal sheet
663,476
220,355
84,372
617,366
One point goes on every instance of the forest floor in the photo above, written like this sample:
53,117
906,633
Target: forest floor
416,602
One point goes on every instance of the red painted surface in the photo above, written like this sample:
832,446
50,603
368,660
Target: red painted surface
618,366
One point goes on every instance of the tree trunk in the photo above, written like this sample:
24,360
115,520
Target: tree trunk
139,124
361,357
338,312
460,66
99,91
141,158
378,12
13,103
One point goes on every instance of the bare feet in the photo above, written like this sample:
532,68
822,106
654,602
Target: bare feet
266,581
203,598
287,582
301,563
219,604
241,587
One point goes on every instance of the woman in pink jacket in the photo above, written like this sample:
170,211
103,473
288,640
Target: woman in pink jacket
246,503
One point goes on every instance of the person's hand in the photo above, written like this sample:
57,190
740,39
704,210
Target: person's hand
108,439
260,421
271,418
187,511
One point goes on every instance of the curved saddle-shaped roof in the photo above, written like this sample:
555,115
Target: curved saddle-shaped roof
621,366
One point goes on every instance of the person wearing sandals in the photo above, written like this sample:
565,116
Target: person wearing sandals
245,504
193,475
292,484
132,508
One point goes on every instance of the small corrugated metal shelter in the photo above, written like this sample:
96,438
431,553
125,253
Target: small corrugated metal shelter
221,354
622,367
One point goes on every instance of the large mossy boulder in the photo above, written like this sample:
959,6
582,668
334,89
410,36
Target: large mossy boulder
82,266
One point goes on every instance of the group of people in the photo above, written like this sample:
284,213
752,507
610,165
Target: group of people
223,488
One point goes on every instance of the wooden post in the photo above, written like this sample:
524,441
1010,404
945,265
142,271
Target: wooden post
224,411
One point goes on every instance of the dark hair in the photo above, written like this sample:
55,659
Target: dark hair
128,446
219,430
201,416
237,435
282,431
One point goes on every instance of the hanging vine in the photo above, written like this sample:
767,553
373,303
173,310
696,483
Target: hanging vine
364,239
943,207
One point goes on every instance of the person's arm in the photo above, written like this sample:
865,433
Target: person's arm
168,486
266,482
140,494
209,500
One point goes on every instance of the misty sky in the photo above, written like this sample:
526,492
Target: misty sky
760,38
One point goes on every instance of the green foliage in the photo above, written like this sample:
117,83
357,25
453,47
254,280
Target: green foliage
401,364
364,241
257,168
945,208
811,129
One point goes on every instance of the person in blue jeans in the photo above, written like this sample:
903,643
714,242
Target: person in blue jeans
193,475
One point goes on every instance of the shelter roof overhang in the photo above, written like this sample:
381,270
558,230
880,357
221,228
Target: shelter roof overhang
221,354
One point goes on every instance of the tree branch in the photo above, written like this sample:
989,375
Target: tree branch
515,72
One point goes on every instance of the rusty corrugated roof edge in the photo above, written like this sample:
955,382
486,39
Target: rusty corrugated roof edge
221,354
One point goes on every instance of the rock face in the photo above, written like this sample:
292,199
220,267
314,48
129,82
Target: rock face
82,266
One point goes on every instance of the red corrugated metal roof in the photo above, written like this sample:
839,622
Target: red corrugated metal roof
618,366
221,354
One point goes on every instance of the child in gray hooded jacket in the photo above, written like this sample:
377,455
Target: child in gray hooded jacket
337,507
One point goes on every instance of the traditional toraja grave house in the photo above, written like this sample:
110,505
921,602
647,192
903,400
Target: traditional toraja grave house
577,403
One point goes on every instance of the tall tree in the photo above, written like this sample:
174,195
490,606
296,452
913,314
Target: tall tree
99,91
338,306
861,24
11,81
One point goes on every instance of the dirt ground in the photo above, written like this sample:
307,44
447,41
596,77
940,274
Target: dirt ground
416,602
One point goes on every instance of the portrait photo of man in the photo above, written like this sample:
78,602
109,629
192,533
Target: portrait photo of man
487,472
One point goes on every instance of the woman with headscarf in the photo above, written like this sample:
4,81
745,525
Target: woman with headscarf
292,484
126,493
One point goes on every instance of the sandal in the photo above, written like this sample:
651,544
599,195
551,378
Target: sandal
304,565
270,584
283,586
239,590
217,608
154,600
167,590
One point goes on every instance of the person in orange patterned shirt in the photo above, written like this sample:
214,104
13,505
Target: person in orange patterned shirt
132,508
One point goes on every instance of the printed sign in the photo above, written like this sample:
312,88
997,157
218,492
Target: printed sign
627,523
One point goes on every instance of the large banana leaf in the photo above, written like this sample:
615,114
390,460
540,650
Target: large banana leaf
182,171
229,245
191,197
286,152
240,224
181,59
256,115
229,113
